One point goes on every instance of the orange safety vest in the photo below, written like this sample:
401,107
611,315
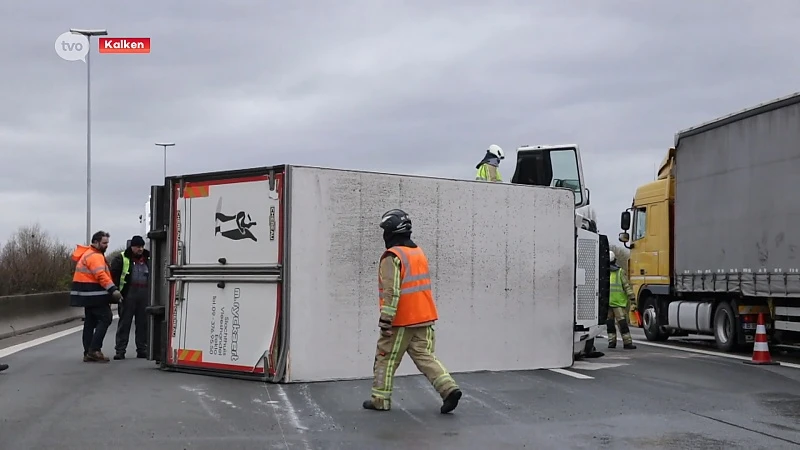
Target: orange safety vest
91,283
416,299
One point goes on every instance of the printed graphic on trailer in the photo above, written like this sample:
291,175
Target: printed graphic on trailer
233,325
239,222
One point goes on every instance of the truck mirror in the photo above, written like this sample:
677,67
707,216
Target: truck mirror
625,220
624,237
588,197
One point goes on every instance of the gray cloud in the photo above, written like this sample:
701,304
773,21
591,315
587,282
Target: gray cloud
411,87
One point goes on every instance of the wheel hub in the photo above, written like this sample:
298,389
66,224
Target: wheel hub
649,318
724,328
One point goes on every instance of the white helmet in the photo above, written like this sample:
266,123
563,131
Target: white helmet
496,151
612,257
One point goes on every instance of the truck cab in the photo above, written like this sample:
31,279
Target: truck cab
650,243
559,166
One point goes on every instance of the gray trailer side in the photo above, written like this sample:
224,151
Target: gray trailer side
737,203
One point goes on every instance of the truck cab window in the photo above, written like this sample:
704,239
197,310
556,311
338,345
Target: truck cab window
640,223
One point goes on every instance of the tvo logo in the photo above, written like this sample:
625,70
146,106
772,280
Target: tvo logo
72,47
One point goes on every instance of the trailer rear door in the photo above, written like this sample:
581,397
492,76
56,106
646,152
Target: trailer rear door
225,278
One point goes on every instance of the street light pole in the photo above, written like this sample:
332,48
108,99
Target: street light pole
165,145
89,34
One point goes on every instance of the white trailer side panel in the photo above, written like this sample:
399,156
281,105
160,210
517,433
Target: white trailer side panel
501,259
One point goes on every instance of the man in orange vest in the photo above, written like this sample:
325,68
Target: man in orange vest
408,313
94,290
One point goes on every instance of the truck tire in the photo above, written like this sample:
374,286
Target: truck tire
650,322
725,327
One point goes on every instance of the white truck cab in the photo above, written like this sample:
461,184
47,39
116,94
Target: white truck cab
560,166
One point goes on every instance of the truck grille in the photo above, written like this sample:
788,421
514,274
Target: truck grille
587,293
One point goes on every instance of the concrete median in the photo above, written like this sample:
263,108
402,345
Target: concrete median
25,313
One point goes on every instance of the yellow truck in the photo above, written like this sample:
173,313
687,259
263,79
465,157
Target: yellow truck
714,240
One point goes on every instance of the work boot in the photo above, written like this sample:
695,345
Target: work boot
141,355
119,356
612,344
451,401
3,367
369,405
96,356
630,346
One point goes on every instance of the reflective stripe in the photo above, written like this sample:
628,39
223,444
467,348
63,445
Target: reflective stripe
88,293
421,287
760,347
91,272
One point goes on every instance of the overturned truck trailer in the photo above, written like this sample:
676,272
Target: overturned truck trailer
271,273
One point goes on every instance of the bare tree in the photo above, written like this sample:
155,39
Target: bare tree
32,262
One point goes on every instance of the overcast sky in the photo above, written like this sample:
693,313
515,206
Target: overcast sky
408,87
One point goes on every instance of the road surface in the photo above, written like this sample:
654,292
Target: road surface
649,398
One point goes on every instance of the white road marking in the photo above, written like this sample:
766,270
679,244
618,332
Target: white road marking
330,424
293,418
583,365
42,340
572,374
291,412
710,353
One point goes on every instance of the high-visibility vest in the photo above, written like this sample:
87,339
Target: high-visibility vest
416,298
617,297
126,268
483,173
92,277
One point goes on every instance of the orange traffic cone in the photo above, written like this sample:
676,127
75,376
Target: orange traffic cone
761,354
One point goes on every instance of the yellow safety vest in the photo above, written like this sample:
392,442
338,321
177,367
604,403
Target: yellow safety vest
483,173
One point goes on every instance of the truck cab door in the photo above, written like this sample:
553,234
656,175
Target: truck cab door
553,166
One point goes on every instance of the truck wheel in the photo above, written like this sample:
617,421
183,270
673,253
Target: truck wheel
653,329
725,328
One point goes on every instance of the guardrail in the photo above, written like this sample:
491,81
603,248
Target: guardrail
25,313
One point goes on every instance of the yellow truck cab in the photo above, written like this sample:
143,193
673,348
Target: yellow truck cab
713,239
650,263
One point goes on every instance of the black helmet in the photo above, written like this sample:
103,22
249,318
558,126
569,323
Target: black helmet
396,221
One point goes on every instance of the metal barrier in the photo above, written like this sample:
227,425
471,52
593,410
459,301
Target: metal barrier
25,313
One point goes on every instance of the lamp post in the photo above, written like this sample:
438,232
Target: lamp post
89,34
165,145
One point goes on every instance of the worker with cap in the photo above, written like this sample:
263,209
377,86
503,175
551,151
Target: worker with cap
407,315
130,271
620,293
488,168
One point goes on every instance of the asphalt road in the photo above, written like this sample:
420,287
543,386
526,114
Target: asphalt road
649,398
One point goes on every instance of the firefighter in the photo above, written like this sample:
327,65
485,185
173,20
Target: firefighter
94,290
407,316
489,167
619,295
130,271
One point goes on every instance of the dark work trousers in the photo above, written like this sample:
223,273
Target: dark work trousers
132,309
95,326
